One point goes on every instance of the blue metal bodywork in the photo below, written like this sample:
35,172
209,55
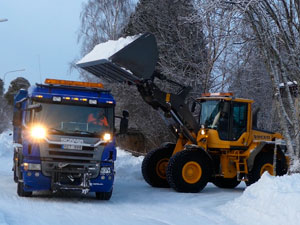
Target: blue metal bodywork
35,180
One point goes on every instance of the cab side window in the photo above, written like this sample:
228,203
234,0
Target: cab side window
239,119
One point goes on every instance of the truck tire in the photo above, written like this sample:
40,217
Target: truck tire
21,191
103,195
189,171
229,183
155,164
15,175
264,162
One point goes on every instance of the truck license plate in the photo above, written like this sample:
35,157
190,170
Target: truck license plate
73,147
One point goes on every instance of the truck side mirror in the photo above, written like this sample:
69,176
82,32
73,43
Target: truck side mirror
124,122
17,118
125,113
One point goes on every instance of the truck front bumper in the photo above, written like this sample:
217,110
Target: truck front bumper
36,181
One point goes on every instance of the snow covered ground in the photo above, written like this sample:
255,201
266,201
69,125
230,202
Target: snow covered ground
269,201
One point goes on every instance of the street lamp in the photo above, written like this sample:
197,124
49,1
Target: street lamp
3,20
12,71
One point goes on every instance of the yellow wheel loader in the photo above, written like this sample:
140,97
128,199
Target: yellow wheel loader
218,140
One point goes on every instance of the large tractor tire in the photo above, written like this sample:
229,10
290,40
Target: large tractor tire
229,183
103,195
21,191
189,170
264,163
155,164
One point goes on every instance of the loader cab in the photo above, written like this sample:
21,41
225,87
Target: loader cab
228,116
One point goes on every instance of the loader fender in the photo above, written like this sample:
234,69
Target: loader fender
203,152
168,144
262,146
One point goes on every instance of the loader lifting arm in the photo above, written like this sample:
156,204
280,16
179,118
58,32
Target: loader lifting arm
139,59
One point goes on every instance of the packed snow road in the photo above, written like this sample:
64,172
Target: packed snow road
270,201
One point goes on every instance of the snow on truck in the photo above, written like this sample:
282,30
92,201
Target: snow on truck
63,138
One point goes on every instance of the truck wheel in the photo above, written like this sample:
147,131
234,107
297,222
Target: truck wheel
264,163
103,195
21,191
189,171
226,182
155,164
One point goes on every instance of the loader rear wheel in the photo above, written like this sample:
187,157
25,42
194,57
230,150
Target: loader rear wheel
103,195
21,191
264,163
189,171
155,164
229,183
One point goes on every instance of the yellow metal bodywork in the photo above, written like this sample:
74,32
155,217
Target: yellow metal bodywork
232,155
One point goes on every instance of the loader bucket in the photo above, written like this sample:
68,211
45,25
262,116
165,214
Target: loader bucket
133,63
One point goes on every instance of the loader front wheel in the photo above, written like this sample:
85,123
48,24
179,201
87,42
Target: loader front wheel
226,182
155,164
189,171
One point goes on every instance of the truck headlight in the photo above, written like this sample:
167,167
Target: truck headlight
107,137
38,132
105,170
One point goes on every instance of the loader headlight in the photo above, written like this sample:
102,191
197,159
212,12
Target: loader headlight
107,137
202,132
38,132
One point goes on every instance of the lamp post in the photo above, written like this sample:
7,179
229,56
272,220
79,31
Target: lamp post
3,20
12,71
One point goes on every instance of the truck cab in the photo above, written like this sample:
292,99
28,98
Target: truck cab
64,138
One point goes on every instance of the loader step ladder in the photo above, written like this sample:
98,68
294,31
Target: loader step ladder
241,168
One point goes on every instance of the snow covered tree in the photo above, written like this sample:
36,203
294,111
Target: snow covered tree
14,87
181,43
3,109
275,33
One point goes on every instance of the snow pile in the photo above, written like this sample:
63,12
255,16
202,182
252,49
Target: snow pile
6,146
271,200
127,166
107,49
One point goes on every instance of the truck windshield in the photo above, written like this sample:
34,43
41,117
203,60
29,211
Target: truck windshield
210,113
75,119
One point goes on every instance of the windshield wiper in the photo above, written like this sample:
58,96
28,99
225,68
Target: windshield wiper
83,132
57,130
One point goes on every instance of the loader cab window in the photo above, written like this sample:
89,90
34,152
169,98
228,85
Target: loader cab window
210,113
239,119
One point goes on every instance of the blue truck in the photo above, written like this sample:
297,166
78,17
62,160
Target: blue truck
64,138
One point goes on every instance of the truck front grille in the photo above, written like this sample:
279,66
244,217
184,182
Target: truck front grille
56,159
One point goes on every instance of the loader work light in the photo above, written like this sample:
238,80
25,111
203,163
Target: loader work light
38,132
